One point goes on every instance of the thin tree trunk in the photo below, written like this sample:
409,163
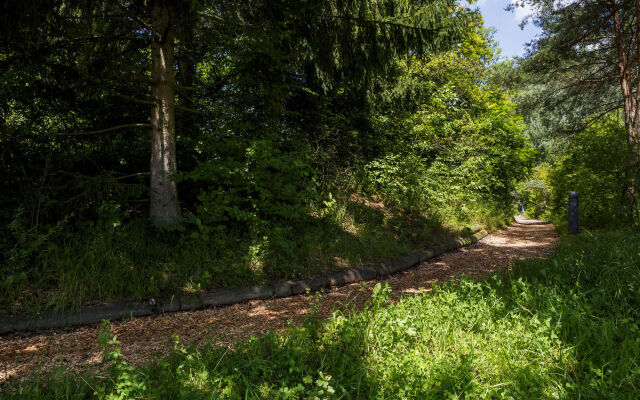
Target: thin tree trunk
164,207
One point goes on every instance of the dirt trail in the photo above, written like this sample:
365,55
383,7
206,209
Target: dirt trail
144,337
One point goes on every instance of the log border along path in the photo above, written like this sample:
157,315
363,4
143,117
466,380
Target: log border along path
142,338
226,297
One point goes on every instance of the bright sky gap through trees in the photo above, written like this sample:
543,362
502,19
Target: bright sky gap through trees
510,36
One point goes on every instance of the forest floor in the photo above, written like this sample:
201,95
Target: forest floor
145,338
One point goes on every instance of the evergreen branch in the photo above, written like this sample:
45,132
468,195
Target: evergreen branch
133,16
389,23
592,120
183,108
187,88
113,128
136,74
124,96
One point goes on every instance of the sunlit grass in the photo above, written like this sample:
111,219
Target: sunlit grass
561,328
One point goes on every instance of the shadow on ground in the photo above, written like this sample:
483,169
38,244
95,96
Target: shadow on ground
143,337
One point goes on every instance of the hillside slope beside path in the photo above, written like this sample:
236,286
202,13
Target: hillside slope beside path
144,337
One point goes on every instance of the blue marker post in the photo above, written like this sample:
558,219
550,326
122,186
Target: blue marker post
573,212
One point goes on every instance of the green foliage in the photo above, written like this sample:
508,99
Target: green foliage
125,381
562,328
263,185
130,261
401,179
534,194
326,135
568,84
453,147
579,71
120,259
593,168
589,164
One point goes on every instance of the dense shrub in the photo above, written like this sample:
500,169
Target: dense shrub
594,166
253,184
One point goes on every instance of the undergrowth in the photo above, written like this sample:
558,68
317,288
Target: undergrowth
562,328
116,259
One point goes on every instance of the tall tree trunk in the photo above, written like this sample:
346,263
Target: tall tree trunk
631,109
164,207
633,138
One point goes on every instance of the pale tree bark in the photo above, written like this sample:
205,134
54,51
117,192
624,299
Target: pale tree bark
164,207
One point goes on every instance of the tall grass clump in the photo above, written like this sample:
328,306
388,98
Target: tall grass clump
562,328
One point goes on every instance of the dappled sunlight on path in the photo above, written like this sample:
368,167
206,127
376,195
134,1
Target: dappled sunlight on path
143,338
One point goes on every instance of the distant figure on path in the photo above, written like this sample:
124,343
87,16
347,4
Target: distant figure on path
522,207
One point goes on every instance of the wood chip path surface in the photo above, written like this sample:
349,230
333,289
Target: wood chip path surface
143,338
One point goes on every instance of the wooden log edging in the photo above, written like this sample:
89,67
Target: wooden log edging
96,314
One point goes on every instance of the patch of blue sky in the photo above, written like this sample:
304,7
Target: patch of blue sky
511,38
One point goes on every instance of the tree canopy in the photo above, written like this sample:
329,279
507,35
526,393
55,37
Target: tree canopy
275,138
585,67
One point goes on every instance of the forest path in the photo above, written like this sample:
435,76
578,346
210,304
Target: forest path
142,338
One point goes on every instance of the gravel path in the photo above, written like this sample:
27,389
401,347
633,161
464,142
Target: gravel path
144,337
528,221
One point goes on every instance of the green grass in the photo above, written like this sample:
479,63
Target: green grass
563,328
114,260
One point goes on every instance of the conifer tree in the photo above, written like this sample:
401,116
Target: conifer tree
591,49
126,51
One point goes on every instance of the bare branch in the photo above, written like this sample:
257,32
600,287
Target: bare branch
132,175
